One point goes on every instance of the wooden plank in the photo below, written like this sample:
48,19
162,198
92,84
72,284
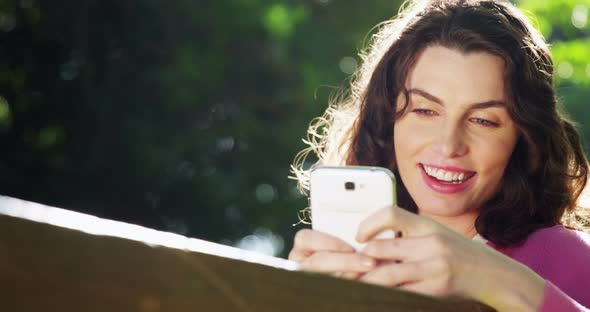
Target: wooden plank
58,260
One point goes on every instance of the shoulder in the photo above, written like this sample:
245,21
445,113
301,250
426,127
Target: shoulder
560,255
559,240
555,244
559,235
556,240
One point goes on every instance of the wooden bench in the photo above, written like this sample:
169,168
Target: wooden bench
58,260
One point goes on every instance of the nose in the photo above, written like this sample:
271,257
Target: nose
451,141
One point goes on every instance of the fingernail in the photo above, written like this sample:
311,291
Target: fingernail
368,262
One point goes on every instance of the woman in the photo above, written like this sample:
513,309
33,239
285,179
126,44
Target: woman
457,99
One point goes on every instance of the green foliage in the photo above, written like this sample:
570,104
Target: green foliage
5,115
554,18
575,54
566,25
281,21
50,136
185,115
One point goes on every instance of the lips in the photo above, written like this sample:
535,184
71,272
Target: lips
448,174
446,180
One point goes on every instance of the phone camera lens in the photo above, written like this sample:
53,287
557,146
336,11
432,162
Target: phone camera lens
349,186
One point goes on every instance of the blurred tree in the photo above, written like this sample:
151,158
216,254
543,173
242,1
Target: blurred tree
181,116
185,115
566,25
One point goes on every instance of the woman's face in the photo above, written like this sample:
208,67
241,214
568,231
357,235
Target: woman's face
455,139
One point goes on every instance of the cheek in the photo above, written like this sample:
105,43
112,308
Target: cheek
493,157
407,143
400,143
409,138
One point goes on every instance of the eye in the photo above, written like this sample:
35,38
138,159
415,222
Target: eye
485,122
424,112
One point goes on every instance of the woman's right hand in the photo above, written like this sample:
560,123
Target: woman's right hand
320,252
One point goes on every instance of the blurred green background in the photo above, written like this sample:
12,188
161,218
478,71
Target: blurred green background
184,116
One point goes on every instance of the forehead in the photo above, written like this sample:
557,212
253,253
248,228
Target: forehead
458,77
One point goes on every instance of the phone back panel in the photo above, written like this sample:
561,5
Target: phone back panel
337,209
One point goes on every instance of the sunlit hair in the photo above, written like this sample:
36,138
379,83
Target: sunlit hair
547,171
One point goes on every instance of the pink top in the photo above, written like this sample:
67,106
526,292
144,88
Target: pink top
562,257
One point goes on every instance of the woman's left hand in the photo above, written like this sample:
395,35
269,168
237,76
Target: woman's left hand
431,259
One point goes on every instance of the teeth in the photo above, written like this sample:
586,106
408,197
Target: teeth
444,175
448,176
440,174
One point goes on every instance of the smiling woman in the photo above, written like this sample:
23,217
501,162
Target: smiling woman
456,97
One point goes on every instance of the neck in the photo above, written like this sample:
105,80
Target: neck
463,224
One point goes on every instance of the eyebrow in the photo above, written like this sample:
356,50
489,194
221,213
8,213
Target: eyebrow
435,99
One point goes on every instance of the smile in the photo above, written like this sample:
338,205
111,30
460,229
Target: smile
446,180
443,175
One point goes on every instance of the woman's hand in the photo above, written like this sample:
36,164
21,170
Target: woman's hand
320,252
431,259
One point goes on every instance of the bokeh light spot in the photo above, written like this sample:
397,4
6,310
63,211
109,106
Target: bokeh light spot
348,65
176,225
225,144
265,193
281,20
580,16
68,71
186,170
5,115
50,136
565,70
277,20
7,22
263,241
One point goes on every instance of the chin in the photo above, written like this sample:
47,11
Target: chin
443,208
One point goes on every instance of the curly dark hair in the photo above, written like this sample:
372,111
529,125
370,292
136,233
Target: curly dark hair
548,169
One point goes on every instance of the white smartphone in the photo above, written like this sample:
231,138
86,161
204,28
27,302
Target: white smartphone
341,197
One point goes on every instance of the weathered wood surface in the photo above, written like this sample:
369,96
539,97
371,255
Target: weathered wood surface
57,260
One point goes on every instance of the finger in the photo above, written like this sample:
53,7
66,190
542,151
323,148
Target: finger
394,274
392,218
298,255
402,249
308,241
351,275
330,262
311,240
